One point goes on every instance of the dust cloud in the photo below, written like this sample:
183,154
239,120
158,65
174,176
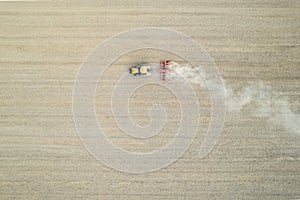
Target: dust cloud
262,100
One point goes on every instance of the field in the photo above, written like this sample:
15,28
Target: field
254,44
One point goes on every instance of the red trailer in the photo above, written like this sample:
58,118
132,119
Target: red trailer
163,69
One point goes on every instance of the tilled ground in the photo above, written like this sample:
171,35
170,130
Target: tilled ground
42,47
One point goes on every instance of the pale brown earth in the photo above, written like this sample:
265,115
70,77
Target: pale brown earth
43,45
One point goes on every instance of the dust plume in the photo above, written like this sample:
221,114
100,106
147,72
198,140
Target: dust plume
262,99
264,103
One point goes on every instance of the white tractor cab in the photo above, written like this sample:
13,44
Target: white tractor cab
140,70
